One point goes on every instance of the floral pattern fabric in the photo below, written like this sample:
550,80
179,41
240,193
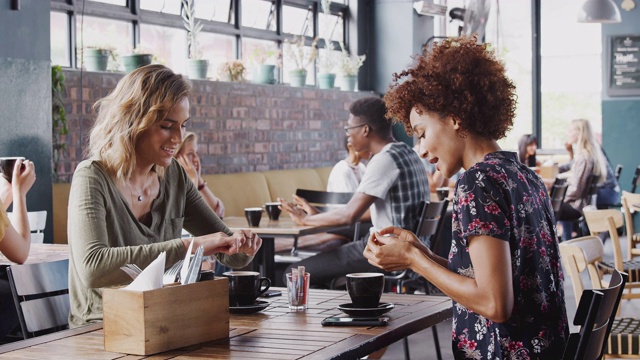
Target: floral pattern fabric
502,198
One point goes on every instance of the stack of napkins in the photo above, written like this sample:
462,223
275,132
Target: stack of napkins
151,277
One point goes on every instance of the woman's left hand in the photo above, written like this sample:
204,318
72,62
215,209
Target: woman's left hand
249,242
391,248
297,214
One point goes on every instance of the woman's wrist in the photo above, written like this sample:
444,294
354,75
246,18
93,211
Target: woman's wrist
202,185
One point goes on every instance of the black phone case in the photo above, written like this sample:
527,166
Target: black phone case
335,321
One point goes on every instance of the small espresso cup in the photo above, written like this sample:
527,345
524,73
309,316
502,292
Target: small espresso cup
7,164
273,210
365,289
253,216
443,193
245,287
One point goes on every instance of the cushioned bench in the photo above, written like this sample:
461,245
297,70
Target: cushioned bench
237,191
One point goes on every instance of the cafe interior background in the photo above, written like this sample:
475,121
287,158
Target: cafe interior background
562,70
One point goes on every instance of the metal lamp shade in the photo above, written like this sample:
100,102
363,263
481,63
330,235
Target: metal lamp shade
599,11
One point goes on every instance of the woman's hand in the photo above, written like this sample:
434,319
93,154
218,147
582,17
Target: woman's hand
250,242
297,214
189,168
391,248
215,243
23,180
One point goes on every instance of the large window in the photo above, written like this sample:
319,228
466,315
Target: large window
157,26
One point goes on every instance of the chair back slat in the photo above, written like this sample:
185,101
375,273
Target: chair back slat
324,197
41,295
634,181
558,192
618,171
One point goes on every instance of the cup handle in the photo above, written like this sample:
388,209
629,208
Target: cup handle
264,281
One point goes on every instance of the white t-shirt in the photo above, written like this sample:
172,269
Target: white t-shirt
381,174
345,177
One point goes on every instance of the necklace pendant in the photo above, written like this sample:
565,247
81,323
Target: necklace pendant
139,197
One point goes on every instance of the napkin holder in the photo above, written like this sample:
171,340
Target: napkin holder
175,316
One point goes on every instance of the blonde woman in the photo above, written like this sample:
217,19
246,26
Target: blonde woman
130,200
187,156
587,160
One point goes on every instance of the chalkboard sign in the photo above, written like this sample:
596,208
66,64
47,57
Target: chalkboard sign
624,66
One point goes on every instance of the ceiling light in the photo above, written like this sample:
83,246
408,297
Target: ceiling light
599,11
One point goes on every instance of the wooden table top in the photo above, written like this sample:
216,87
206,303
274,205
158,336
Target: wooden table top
275,333
282,227
40,253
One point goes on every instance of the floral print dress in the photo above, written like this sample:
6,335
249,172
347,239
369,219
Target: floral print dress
502,198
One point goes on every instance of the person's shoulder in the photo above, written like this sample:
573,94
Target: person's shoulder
91,168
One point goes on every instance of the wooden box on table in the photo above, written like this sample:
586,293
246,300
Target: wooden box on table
175,316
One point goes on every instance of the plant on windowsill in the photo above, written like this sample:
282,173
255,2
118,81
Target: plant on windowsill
348,69
264,61
196,66
96,58
140,56
58,116
301,57
327,59
231,71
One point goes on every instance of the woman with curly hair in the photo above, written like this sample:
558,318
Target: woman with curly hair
503,271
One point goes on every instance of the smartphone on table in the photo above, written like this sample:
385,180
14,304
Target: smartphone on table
347,321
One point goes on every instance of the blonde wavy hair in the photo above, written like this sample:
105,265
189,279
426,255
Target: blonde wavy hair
142,98
587,144
188,136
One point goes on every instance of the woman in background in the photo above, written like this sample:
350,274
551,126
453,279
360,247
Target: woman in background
527,146
15,235
587,160
187,156
131,199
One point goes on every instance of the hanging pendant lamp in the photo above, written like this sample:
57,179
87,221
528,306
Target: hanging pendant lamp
599,11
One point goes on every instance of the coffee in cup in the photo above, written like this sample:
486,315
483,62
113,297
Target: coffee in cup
273,210
245,287
7,165
365,289
253,216
443,193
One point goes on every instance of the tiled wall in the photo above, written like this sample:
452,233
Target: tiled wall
242,127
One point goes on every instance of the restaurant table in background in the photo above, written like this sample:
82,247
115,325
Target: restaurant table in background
269,229
275,333
40,253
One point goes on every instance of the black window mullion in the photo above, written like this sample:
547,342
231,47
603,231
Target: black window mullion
71,26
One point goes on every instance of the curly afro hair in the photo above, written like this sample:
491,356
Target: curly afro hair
457,78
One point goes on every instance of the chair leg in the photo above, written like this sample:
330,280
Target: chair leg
436,342
405,343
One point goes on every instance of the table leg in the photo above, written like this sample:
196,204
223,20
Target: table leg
265,258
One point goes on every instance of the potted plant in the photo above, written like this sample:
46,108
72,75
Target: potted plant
58,117
140,56
264,62
349,67
196,66
231,71
96,57
327,59
301,58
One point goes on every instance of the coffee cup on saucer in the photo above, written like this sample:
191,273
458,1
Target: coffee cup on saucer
245,287
365,289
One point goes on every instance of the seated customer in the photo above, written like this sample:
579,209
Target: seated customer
15,235
527,147
187,156
129,202
393,186
588,160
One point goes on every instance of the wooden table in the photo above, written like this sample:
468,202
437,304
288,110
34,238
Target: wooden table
40,253
268,229
275,333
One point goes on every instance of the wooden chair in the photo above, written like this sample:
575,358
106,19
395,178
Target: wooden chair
618,171
594,315
37,223
580,254
41,295
629,200
634,181
610,220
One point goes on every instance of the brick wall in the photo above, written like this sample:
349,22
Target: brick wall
242,127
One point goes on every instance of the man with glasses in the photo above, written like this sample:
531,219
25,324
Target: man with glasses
392,188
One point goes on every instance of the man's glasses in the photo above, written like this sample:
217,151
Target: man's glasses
347,129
